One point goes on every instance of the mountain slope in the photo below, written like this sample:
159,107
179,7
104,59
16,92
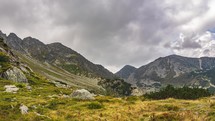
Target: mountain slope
58,55
57,62
175,70
125,71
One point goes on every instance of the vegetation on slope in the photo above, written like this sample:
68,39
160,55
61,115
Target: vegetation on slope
4,62
47,102
116,87
178,93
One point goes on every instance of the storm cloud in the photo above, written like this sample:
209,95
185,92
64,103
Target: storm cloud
115,32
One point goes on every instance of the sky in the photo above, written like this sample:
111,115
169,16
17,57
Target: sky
115,33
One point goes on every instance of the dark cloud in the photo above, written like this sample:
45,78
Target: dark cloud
110,32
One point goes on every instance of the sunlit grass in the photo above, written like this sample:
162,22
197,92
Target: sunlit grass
47,102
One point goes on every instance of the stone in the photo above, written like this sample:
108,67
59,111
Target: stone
28,87
24,109
83,94
15,74
11,88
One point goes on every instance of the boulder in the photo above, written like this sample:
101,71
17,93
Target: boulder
24,109
15,74
11,88
83,94
28,87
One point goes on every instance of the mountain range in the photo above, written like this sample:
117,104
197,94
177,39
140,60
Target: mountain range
174,70
61,64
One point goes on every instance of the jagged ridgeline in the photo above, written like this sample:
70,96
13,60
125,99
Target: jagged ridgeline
58,55
175,70
62,65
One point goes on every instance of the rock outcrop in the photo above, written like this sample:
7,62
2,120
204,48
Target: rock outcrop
10,66
11,88
15,75
23,109
83,94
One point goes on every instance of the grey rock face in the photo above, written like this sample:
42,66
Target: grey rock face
15,75
82,94
125,72
13,41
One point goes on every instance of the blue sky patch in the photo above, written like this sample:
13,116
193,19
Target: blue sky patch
212,30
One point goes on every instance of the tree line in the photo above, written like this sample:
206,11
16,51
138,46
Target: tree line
179,93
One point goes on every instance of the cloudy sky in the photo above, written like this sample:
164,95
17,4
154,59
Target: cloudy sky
116,32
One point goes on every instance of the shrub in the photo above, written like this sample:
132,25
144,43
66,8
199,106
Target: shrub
4,62
20,85
178,93
3,57
166,117
95,105
167,107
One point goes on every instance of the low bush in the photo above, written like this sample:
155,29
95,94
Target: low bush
95,105
179,93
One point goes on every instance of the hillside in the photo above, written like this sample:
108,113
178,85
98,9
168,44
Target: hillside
57,62
175,70
56,54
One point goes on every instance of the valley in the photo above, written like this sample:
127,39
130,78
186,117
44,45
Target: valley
37,87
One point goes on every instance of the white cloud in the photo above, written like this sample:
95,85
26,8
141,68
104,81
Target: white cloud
112,32
205,40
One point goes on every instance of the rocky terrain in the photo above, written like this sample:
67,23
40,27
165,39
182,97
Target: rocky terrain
56,54
57,62
63,66
175,70
10,66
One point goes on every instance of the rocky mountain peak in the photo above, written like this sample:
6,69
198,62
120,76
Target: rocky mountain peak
126,71
4,36
58,55
12,35
32,41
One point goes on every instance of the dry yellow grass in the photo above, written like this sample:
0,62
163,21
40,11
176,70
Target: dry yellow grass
46,102
122,110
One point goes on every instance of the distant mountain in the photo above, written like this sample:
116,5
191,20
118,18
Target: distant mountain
58,55
175,70
125,72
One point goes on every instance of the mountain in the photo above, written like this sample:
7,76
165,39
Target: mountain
125,71
175,70
57,62
58,55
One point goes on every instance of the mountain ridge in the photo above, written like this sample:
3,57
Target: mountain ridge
175,70
51,52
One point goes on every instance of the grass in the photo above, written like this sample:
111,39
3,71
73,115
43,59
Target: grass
57,74
47,102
